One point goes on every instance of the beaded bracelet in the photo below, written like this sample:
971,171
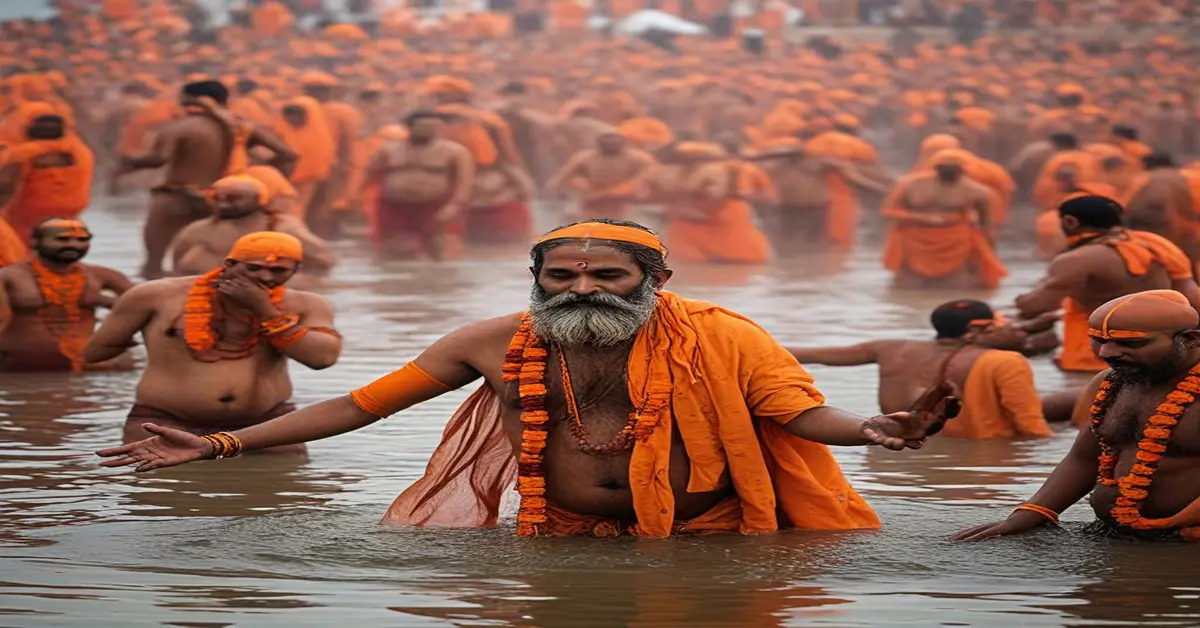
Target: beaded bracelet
225,444
1041,510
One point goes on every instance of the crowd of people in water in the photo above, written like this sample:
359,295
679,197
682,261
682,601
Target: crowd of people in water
260,143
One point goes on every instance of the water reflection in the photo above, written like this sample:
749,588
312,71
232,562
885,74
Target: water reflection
288,541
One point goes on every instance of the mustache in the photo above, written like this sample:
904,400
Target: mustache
598,319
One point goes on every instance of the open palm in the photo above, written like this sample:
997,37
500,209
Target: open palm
169,448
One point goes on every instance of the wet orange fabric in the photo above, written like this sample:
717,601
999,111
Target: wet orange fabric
277,185
14,125
134,137
729,235
1076,355
12,245
484,133
1046,190
939,251
45,191
646,133
733,387
394,392
312,142
1133,149
1139,250
724,518
1000,400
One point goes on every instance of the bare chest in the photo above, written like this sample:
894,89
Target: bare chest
602,171
1131,410
929,196
25,295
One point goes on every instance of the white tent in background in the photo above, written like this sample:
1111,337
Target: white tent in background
646,21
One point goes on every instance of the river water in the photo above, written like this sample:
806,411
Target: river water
284,542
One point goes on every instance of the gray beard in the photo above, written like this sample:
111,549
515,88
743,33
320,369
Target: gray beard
598,320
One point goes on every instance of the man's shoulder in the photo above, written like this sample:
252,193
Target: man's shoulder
97,269
714,320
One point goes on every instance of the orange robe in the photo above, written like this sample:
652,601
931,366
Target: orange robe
1000,400
937,251
1046,189
842,221
271,19
732,388
728,234
277,185
312,142
1139,251
12,245
47,191
344,122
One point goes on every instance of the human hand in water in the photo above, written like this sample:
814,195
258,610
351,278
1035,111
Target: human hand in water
250,295
908,430
1018,522
169,448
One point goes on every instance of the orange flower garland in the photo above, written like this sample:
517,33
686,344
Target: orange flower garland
525,363
61,312
199,319
1134,488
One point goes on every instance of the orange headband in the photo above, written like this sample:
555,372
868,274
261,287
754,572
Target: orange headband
270,246
601,231
1104,333
69,228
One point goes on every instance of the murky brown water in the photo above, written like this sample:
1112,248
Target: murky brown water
280,542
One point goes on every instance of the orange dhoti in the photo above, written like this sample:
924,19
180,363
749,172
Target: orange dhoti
936,252
725,517
1075,354
729,237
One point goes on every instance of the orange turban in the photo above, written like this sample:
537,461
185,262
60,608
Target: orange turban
269,246
646,132
950,157
846,121
602,231
244,183
1136,315
448,85
699,149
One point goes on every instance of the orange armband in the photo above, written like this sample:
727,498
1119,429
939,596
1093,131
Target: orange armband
398,390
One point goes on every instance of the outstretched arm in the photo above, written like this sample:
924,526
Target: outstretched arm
1064,274
854,355
444,366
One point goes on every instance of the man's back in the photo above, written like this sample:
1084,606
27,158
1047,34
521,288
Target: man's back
199,150
1107,275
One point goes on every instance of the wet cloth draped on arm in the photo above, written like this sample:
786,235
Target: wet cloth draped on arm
717,378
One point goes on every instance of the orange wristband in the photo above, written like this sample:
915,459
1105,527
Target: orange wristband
1041,510
397,390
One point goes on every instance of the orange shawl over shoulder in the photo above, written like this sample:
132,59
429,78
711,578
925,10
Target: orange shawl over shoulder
732,386
48,192
1139,250
999,400
312,142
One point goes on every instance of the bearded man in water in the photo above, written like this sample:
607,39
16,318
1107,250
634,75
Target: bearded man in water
218,344
48,303
1140,459
711,426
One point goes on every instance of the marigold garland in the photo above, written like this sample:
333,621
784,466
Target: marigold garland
200,318
1134,488
61,312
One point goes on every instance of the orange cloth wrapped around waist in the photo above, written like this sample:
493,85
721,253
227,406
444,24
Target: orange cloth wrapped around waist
931,251
1000,400
725,517
711,376
1075,354
729,237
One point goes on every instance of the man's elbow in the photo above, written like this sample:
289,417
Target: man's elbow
95,353
321,361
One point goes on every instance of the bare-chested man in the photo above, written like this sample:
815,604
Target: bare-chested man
606,177
196,150
807,211
218,345
1105,260
1000,399
1139,452
425,183
1159,200
939,234
594,447
48,303
240,207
